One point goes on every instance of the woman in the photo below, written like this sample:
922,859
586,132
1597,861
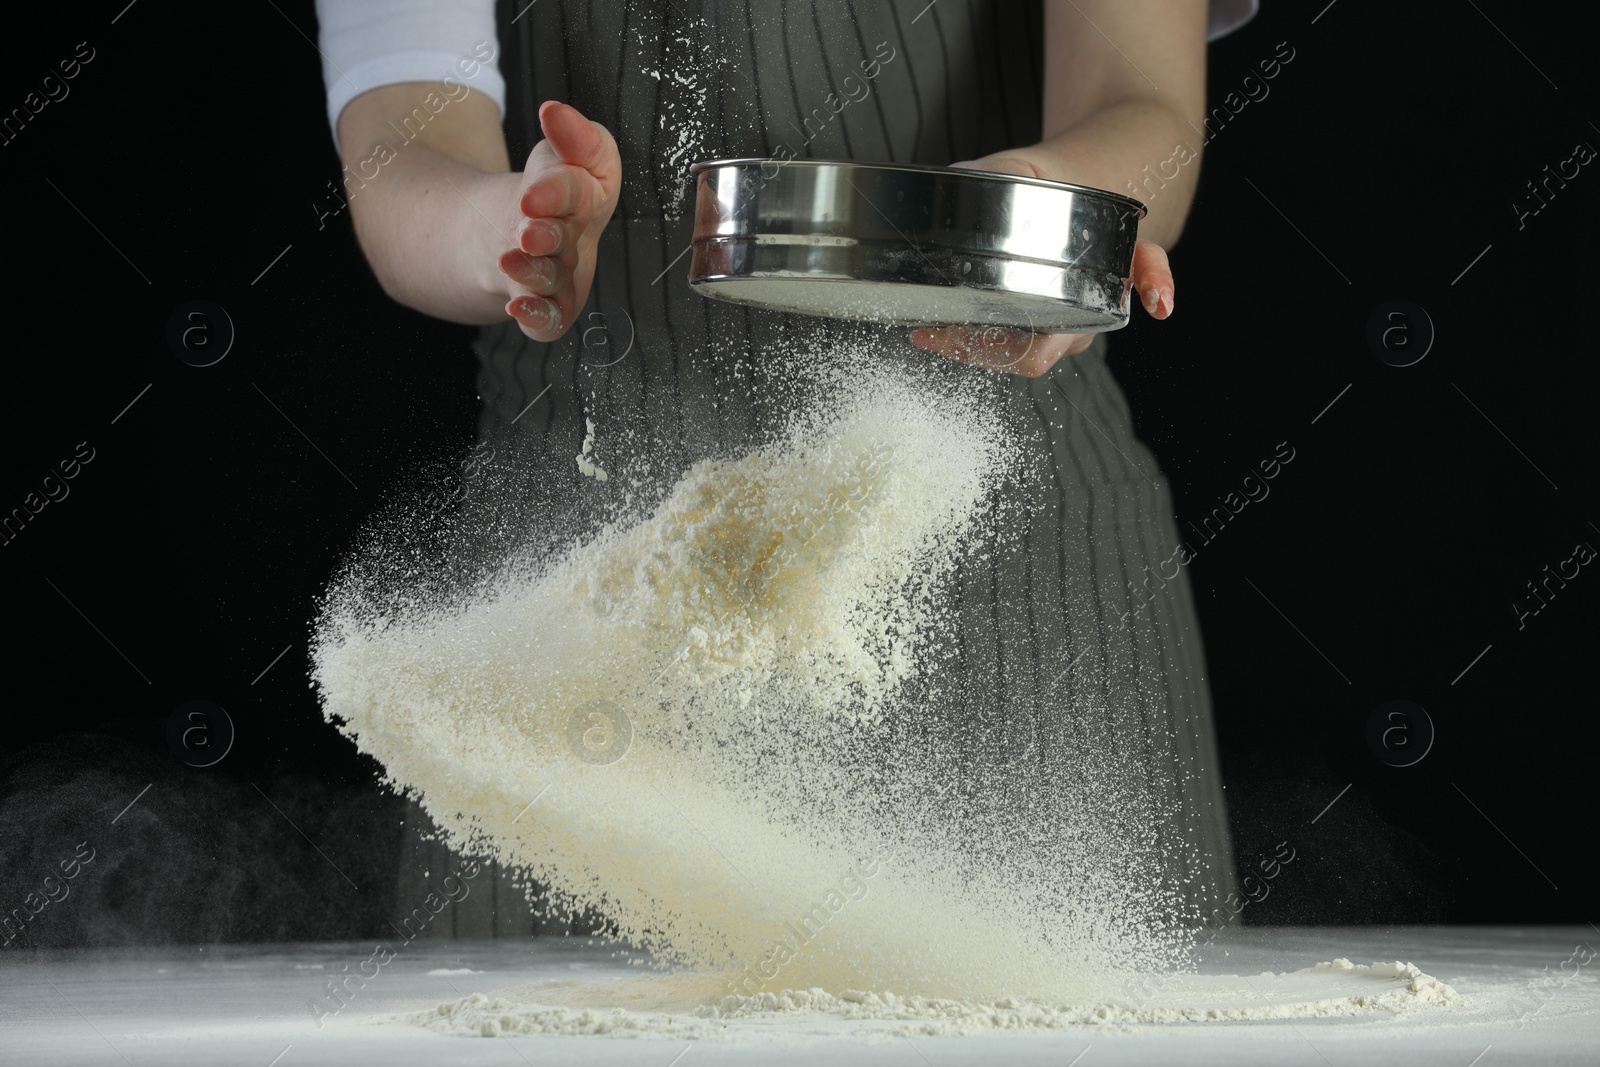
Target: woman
571,264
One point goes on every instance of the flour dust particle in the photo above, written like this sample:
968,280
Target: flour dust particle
707,720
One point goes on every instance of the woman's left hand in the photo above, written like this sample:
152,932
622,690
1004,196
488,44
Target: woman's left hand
1033,354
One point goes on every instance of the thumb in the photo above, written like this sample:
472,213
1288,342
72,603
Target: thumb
1151,276
574,138
1000,165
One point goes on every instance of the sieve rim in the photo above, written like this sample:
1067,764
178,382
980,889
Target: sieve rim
926,168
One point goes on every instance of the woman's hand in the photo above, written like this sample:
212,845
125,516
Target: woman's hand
1034,354
569,189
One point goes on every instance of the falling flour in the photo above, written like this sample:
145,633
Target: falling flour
711,722
686,64
586,464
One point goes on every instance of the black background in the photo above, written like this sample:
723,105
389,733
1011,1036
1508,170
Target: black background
191,154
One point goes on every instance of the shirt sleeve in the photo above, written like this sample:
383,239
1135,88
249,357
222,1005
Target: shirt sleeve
368,43
1225,16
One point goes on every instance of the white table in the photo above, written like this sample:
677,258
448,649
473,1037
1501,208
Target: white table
251,1004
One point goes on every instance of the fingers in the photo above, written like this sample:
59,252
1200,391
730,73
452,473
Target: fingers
541,237
1152,278
544,291
541,273
1003,350
538,274
573,179
539,316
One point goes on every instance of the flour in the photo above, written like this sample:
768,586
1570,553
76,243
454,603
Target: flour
586,463
749,637
482,1016
1326,990
714,720
681,108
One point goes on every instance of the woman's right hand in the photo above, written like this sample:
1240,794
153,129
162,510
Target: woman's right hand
569,189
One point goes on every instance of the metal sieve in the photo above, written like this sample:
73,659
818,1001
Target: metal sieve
913,245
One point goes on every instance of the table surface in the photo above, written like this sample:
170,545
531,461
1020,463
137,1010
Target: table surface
243,1004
